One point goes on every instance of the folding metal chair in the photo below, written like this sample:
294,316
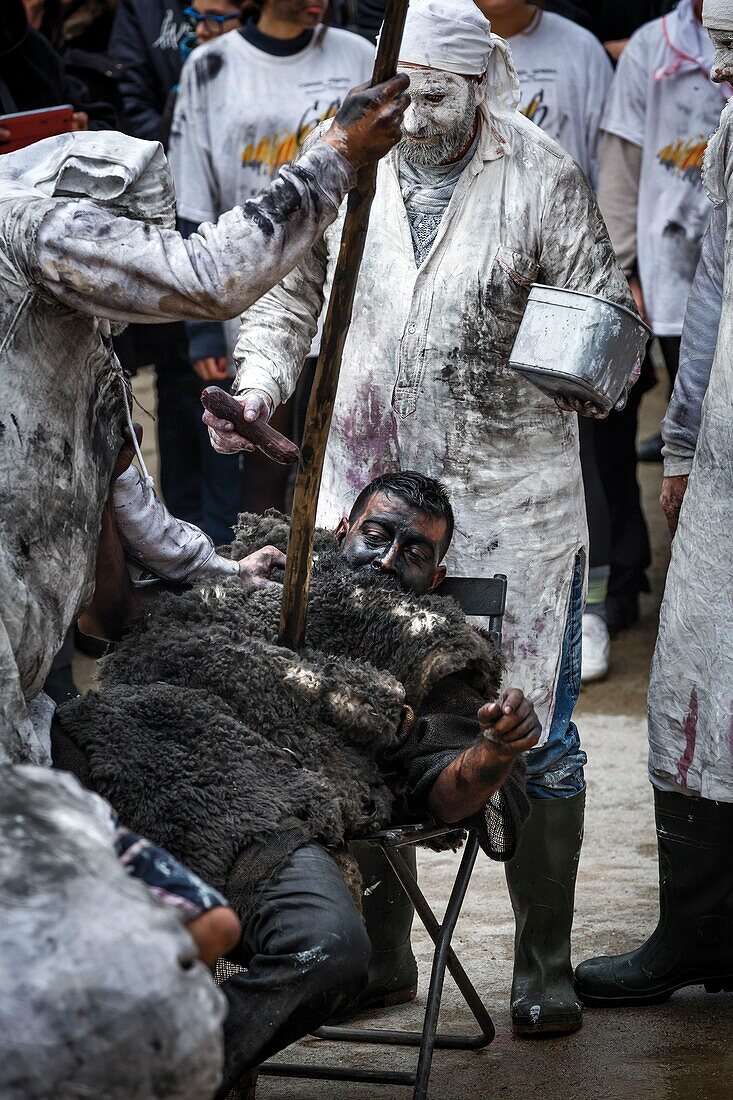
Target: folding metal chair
477,596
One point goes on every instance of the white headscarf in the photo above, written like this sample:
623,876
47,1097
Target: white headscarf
718,14
455,37
127,176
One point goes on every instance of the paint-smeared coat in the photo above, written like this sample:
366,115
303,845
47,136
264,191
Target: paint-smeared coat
691,685
425,383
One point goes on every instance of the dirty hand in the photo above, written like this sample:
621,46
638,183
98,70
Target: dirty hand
582,408
224,439
79,121
511,725
126,453
369,121
672,495
215,368
255,569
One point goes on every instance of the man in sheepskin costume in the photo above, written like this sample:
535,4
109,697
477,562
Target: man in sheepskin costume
254,764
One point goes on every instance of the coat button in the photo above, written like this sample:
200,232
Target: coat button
412,329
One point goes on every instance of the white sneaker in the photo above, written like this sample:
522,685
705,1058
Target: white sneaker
596,649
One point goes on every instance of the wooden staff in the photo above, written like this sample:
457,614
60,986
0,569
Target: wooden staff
325,384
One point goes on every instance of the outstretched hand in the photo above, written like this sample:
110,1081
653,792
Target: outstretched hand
511,723
255,569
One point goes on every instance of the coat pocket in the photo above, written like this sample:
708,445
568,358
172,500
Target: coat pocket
505,299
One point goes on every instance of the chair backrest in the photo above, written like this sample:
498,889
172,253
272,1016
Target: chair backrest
484,596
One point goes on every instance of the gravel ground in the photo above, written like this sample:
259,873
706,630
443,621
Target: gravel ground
679,1051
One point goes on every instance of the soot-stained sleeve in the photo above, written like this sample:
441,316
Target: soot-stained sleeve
446,727
126,270
681,425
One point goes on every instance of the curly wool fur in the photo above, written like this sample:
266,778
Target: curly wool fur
217,744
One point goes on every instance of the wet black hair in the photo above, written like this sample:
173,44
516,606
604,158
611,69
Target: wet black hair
426,494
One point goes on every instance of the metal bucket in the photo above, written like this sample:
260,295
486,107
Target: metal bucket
578,345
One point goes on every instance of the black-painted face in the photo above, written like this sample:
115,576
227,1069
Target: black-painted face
392,537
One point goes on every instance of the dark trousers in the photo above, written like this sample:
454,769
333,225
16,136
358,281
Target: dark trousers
615,453
307,955
198,484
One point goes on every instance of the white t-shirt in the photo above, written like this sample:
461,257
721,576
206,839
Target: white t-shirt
242,113
668,107
564,74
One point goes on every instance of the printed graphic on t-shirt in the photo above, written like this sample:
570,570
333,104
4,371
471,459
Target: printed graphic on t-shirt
268,154
536,109
684,158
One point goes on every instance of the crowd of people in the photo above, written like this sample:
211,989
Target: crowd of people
190,221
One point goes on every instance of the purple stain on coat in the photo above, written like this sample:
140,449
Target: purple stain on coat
690,727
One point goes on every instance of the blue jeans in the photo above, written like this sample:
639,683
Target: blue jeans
556,770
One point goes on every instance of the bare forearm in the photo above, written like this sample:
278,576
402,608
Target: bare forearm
510,727
465,786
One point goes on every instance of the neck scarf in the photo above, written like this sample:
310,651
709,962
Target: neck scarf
426,192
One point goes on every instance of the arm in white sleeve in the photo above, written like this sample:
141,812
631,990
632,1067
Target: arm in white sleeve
124,270
277,331
618,195
681,425
151,536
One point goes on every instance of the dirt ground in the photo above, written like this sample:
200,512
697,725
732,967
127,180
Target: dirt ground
679,1051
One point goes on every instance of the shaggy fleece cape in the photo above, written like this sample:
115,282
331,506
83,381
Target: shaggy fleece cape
228,750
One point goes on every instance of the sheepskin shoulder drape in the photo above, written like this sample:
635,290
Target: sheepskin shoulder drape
216,743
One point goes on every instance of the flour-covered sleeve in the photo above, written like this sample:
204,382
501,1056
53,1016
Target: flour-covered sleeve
125,270
575,250
681,425
169,547
277,331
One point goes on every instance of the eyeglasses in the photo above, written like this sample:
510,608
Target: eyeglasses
213,23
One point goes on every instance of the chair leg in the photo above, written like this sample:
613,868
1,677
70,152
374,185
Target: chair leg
433,928
444,957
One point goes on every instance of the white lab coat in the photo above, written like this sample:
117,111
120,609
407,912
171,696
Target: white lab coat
69,266
425,383
691,685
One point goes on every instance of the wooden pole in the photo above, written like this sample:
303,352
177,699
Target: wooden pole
325,384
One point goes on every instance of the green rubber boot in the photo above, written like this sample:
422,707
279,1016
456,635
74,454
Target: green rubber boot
693,941
388,914
541,881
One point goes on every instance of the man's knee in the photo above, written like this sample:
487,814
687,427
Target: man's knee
346,956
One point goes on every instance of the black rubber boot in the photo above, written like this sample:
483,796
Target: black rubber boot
388,915
541,881
693,942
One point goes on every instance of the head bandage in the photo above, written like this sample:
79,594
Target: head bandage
451,35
